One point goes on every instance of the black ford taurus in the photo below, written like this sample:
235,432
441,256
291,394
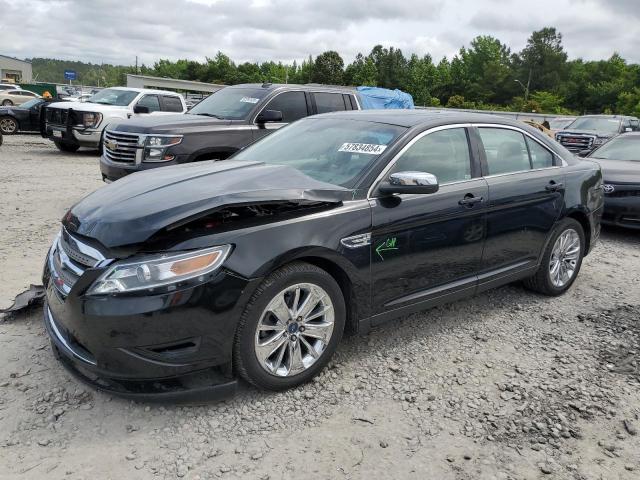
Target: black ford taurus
172,283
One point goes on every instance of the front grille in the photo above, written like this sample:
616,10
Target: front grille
623,193
122,147
575,143
68,260
57,116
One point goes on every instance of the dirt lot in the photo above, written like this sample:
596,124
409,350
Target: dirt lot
507,385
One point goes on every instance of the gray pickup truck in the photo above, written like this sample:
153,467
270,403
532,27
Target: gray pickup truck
215,128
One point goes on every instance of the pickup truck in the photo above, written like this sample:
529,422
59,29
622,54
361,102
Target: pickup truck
217,127
72,125
590,131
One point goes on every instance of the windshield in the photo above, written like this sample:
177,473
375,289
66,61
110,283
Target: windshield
602,125
620,148
558,123
326,149
31,103
230,103
112,96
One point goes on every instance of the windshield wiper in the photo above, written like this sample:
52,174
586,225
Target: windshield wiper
210,115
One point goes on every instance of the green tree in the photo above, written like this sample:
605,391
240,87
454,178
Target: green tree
361,72
543,60
422,78
328,68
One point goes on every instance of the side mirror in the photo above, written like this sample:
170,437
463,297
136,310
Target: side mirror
267,116
410,182
140,109
584,153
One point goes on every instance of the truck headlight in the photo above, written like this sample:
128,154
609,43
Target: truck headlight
164,270
599,141
91,119
156,147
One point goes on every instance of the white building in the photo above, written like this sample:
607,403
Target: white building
13,70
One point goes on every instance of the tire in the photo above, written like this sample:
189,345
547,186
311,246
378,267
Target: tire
283,368
8,125
549,280
7,103
67,147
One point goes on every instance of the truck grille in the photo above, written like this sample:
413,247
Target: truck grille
122,147
575,142
622,191
68,260
56,116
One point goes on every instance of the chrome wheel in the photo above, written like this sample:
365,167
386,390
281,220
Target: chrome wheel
294,329
8,126
564,258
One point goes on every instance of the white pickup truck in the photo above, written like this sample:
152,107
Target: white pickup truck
72,125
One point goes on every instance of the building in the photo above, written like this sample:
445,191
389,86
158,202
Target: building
145,81
13,70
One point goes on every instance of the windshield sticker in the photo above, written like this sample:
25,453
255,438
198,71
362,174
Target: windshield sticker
368,148
249,100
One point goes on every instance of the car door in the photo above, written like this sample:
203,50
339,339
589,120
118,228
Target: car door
526,198
294,105
427,247
33,116
171,104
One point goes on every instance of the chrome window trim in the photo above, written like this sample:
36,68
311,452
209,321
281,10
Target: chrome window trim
393,161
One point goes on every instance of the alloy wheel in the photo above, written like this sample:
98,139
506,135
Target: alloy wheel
7,103
294,329
564,258
8,126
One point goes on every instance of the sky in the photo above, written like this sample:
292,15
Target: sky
115,31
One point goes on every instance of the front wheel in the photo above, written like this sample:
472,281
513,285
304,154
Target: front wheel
290,328
8,125
67,147
561,260
7,103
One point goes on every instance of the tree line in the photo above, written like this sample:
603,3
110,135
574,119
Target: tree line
485,75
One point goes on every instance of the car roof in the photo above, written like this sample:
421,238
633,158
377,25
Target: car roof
413,118
311,87
144,90
621,117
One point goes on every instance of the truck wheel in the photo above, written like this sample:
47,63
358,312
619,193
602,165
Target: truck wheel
7,103
290,328
8,125
67,147
561,260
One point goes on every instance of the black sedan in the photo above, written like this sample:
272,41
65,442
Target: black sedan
175,282
620,161
25,118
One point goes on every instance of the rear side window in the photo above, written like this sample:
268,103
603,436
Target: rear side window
151,102
329,102
506,150
293,106
540,156
171,104
444,154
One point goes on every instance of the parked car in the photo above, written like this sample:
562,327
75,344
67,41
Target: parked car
591,131
9,86
560,123
25,117
255,266
72,125
217,127
16,97
620,161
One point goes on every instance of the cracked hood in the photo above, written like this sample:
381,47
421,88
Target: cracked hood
135,207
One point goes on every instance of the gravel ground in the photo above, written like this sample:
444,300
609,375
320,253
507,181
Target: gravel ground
507,385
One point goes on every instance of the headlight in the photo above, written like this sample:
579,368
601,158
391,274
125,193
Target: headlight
91,119
599,141
155,271
156,147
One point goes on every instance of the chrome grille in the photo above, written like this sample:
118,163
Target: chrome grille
122,147
575,142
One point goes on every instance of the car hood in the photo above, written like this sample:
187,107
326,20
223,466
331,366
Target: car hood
132,209
619,171
178,123
86,107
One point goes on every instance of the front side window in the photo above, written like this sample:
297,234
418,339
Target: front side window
540,156
293,106
326,149
444,153
151,102
506,150
329,102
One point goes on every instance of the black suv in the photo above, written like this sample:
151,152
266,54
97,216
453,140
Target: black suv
590,131
217,127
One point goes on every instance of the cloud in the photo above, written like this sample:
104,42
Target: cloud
115,31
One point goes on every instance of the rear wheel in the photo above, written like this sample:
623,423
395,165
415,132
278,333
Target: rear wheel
8,125
561,260
67,147
290,328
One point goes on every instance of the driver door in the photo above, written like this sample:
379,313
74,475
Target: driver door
429,246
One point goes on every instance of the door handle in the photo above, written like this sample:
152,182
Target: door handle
469,200
554,187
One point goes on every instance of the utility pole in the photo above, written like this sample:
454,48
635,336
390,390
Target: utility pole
136,64
525,87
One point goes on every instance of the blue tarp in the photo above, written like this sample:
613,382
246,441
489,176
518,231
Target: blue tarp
374,98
